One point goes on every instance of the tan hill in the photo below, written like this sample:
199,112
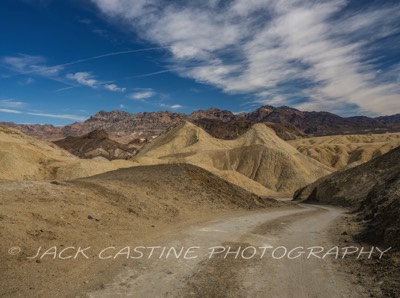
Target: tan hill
372,188
259,154
341,151
122,208
26,158
96,144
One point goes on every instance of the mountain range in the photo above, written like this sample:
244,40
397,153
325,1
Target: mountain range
289,123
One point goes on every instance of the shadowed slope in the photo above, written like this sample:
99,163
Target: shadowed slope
372,188
94,144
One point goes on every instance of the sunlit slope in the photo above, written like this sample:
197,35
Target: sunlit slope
26,158
341,151
259,155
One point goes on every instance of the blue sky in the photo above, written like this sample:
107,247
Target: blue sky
62,61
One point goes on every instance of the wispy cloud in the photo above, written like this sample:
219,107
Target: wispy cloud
148,74
10,111
114,88
28,81
146,95
168,107
66,88
83,78
12,103
23,64
142,95
87,79
26,64
58,116
34,66
318,55
109,55
176,107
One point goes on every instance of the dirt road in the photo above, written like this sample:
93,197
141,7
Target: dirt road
214,268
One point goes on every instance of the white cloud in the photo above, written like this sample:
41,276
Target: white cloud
88,79
83,78
145,94
171,107
114,88
175,107
318,50
27,64
142,95
33,66
10,111
11,103
59,116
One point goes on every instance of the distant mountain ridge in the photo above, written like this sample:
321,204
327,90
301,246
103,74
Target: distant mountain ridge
126,127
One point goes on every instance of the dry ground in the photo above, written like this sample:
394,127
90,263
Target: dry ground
343,150
123,208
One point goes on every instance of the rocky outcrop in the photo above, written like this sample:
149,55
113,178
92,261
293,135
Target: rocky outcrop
97,144
213,114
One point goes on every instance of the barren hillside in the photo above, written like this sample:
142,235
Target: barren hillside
259,154
26,158
371,188
341,151
96,144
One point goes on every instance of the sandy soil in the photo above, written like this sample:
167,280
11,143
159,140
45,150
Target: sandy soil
342,150
122,208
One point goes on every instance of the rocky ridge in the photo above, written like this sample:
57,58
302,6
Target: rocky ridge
125,127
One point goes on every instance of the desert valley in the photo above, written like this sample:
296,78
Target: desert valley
200,149
119,188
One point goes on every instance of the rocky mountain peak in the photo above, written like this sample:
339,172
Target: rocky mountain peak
107,116
213,113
